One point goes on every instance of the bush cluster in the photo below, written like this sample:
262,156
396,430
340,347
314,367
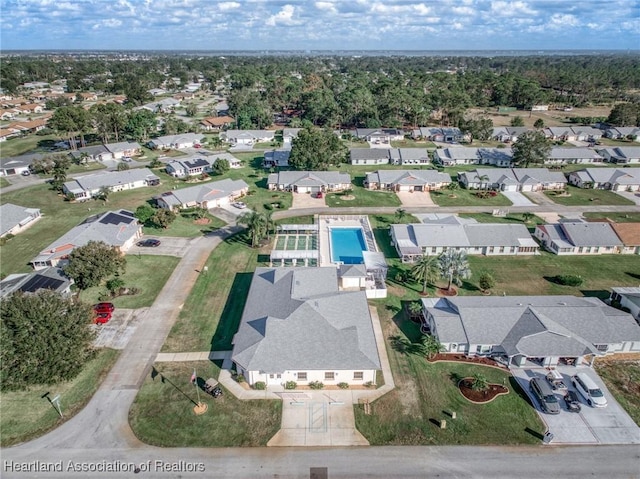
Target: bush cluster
260,385
569,280
290,385
316,385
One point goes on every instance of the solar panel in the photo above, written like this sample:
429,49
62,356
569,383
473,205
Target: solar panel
115,219
41,282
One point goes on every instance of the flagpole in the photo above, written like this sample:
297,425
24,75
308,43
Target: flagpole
195,383
200,408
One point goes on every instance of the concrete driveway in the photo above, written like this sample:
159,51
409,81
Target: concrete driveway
169,246
610,425
630,195
517,198
417,198
307,200
116,333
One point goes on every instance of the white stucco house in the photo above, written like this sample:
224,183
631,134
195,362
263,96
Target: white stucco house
14,219
627,297
579,238
83,188
176,142
309,181
407,180
208,195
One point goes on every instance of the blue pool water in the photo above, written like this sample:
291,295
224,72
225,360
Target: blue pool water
347,245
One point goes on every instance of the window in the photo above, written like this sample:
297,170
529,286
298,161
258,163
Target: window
602,347
302,376
358,375
329,376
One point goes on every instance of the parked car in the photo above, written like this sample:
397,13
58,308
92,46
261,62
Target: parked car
197,146
101,318
555,379
544,394
589,390
239,204
149,243
126,158
104,307
25,173
572,402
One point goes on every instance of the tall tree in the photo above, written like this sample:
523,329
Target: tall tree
141,124
90,264
316,149
454,267
425,271
257,225
45,338
531,147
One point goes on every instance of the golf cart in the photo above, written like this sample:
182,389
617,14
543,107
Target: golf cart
211,387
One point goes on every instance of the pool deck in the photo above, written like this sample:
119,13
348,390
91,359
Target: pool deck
324,239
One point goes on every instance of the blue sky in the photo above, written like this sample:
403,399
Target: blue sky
320,25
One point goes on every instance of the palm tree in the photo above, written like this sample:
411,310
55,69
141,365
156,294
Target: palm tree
430,346
425,271
400,214
482,178
103,193
527,217
454,267
256,225
479,382
270,224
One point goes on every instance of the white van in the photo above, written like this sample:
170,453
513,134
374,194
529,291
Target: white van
589,390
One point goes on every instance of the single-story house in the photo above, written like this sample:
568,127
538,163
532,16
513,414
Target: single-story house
545,330
6,133
15,165
164,105
412,241
629,234
456,156
247,137
567,156
209,195
288,134
91,153
189,167
15,219
233,161
185,140
308,330
410,156
119,229
32,126
52,279
446,135
379,136
508,134
621,155
627,297
156,91
489,179
309,181
276,158
407,180
579,237
615,179
221,108
536,179
495,156
561,133
586,133
216,122
85,187
123,148
368,156
622,132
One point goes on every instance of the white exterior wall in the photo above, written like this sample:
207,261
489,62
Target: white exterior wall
353,282
340,376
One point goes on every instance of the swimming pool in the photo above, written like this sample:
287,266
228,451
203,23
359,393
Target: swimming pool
347,245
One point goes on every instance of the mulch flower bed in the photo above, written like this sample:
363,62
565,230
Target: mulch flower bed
489,394
446,292
461,358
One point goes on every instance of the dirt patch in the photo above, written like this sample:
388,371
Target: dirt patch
202,221
483,396
347,197
444,292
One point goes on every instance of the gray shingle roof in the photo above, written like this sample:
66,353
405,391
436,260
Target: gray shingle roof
309,178
591,234
200,193
542,175
368,154
110,179
408,177
296,319
12,215
559,153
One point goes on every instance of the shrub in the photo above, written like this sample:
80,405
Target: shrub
343,385
260,386
290,385
368,384
268,206
316,385
239,378
569,280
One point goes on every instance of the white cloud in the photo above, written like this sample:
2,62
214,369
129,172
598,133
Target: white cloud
226,6
283,17
560,20
463,10
416,9
504,8
326,6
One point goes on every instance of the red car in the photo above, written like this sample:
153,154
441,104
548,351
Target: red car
101,318
104,307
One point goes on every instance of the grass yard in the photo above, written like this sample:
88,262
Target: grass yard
510,218
622,378
211,315
3,182
25,144
406,143
26,415
147,272
581,196
363,197
185,227
463,197
162,413
617,217
425,393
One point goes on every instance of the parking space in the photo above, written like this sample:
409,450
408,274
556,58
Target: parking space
517,198
306,200
169,246
416,198
117,332
609,425
630,195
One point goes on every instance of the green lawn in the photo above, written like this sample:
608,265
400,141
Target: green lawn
211,315
3,182
25,144
363,197
617,217
26,415
412,144
622,378
162,413
463,197
147,272
581,196
610,142
186,227
510,218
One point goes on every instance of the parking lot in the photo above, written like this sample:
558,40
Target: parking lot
609,425
169,246
117,332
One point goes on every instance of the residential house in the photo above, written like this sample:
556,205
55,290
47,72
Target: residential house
83,188
15,165
520,330
309,181
578,237
8,114
188,167
248,137
629,234
537,179
407,180
412,241
216,122
569,156
456,156
489,179
508,134
32,126
586,133
368,156
6,133
208,195
615,179
156,91
409,156
445,135
560,133
91,153
29,108
621,155
221,108
165,105
623,132
233,161
124,149
495,156
288,135
276,158
307,330
14,219
627,297
119,229
380,136
52,279
177,142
